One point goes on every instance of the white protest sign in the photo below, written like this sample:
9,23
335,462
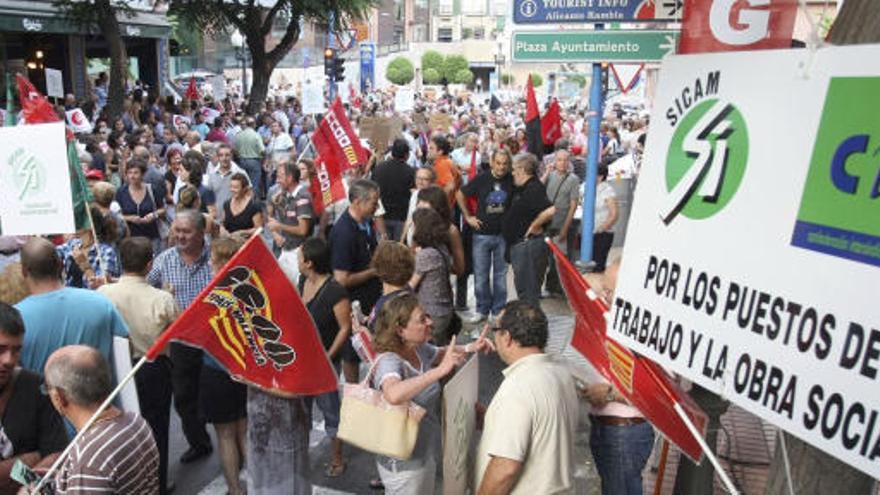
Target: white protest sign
459,427
218,87
128,398
404,100
78,121
210,114
179,120
752,258
54,83
35,195
313,98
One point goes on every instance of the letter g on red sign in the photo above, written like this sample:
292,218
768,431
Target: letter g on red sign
736,25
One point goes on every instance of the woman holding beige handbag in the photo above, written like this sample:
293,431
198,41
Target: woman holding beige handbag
410,369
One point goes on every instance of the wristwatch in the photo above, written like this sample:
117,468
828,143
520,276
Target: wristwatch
609,396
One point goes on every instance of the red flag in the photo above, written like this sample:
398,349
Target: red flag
472,172
251,320
326,186
192,91
533,122
551,124
638,379
336,141
722,25
34,106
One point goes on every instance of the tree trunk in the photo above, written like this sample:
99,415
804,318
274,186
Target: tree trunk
109,26
812,470
261,73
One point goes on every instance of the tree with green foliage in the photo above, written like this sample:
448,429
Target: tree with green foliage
102,15
453,65
254,21
431,76
506,78
432,60
400,71
537,80
464,76
581,81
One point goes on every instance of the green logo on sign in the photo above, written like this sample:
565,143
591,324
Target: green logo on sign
841,201
28,175
706,161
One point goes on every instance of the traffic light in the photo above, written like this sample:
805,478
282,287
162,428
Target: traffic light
338,69
329,62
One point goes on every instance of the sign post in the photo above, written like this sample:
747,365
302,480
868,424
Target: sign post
592,46
368,66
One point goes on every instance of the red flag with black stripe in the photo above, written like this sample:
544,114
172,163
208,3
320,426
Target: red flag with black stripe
551,124
533,122
644,384
252,320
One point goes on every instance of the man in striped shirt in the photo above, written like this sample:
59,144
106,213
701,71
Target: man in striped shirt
117,453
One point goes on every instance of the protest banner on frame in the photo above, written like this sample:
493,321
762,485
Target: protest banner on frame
459,427
752,254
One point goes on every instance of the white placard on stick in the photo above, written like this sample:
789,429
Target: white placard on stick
404,100
54,83
459,427
752,257
313,98
218,87
128,398
35,194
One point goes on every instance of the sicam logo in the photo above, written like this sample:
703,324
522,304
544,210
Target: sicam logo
707,156
840,205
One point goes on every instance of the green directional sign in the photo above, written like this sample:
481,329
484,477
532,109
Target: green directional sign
592,46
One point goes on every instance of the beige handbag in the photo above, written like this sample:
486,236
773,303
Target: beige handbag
369,422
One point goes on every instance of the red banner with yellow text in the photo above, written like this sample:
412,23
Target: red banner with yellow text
251,320
639,380
336,141
326,187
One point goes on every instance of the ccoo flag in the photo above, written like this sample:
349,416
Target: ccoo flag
251,320
533,122
639,380
35,108
336,141
326,187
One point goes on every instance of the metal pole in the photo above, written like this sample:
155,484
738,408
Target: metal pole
331,43
593,143
243,71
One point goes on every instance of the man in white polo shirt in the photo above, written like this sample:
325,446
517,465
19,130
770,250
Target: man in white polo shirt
528,439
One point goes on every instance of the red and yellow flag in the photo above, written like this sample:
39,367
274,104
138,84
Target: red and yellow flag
336,141
326,186
638,379
252,321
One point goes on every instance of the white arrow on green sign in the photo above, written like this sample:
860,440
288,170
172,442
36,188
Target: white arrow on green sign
592,46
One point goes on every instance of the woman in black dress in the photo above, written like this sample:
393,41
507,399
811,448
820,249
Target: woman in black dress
242,213
330,307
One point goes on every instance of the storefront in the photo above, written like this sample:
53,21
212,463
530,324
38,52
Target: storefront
37,36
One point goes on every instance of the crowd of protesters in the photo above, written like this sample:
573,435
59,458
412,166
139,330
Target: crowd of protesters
178,189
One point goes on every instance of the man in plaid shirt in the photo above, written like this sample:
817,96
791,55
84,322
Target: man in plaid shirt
185,269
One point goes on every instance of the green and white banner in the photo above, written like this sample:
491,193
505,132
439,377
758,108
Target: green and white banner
35,194
752,261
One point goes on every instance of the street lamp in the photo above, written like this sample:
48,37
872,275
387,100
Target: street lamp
499,62
237,41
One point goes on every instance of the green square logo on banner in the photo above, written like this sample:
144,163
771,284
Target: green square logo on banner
840,208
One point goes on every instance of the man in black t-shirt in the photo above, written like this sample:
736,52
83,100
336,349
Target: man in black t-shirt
30,428
352,244
523,228
492,191
396,180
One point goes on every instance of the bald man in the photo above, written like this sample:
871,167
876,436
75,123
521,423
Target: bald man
116,453
55,315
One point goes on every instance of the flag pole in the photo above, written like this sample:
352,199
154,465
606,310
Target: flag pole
89,423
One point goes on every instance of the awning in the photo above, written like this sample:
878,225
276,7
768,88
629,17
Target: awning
43,17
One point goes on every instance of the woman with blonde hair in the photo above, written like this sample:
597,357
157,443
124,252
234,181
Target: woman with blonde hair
410,369
12,286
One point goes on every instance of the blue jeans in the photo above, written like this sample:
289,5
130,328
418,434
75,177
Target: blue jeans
620,453
329,404
254,169
528,259
488,251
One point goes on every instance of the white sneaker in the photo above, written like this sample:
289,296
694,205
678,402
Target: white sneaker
476,318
